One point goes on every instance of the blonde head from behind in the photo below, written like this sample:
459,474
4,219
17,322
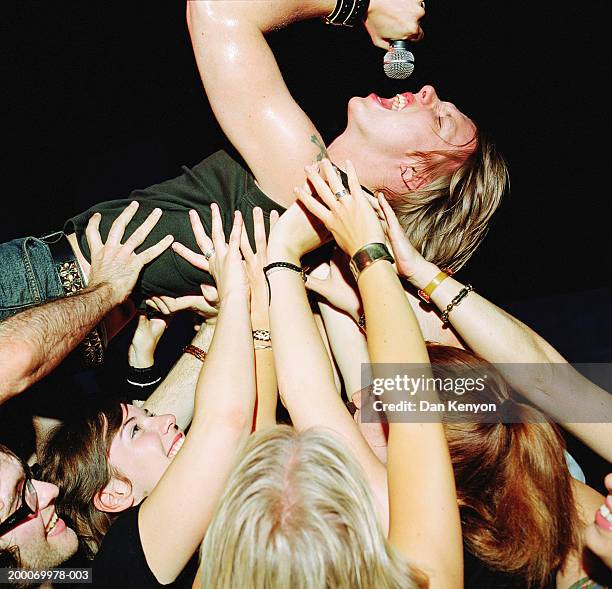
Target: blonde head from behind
297,512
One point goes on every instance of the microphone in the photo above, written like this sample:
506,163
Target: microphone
398,62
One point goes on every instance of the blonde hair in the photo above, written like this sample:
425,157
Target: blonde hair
297,512
447,219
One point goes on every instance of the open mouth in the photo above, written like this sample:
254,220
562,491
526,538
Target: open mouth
51,523
55,525
603,518
177,444
397,103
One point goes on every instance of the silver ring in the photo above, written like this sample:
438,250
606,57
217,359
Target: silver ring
209,253
340,194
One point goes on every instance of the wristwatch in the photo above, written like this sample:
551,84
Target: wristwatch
367,255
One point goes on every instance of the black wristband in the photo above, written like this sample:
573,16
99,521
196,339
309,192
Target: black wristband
281,265
348,12
141,382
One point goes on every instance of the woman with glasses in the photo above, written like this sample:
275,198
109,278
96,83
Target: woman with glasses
31,533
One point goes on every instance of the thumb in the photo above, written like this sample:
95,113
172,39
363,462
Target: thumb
210,293
317,285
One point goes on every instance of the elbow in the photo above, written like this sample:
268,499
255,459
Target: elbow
198,16
233,418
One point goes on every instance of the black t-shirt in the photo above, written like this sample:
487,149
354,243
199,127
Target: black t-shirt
219,179
121,563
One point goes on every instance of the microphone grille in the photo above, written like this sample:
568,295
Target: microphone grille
398,63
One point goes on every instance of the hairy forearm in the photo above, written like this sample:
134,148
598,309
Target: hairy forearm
176,392
35,341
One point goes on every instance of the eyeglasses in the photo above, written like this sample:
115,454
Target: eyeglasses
29,499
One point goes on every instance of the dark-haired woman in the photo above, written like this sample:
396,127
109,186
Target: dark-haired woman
142,473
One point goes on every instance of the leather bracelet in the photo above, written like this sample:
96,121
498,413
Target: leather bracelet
198,353
368,255
456,300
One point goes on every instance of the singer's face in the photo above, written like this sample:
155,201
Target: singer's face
409,122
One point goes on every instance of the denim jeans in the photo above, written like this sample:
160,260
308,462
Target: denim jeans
27,275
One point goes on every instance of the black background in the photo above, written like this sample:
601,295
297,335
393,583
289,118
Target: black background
105,97
109,100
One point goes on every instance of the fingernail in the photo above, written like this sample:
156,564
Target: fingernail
134,203
157,211
169,237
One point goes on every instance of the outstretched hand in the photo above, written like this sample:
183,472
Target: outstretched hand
205,305
221,259
347,215
255,261
115,263
408,260
388,19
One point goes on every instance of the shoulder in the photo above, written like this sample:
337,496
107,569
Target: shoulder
121,556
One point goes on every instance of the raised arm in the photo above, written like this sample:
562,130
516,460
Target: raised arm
246,89
265,371
305,376
35,341
175,516
176,393
423,515
550,383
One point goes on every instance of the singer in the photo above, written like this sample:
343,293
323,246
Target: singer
442,176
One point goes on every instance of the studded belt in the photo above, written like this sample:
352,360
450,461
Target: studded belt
91,349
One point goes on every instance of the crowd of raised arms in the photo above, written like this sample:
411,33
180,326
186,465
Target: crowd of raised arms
349,414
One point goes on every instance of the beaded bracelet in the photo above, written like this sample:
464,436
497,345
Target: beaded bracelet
275,267
462,294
